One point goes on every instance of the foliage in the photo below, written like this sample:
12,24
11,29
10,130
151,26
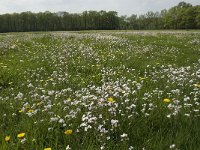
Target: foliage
47,21
182,16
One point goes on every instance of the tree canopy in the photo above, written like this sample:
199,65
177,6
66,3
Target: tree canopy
182,16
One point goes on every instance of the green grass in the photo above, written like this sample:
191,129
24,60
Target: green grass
56,81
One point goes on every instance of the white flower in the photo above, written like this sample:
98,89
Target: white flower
102,147
54,119
61,121
50,93
23,140
114,122
68,148
131,148
187,115
169,116
49,129
108,137
30,85
172,146
124,135
20,95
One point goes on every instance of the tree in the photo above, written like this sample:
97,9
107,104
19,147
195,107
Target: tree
182,16
132,21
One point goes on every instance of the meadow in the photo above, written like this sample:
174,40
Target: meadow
100,90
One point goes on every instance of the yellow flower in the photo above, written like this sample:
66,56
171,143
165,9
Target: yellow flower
110,99
31,110
39,103
20,111
47,148
197,85
7,138
167,100
20,135
68,132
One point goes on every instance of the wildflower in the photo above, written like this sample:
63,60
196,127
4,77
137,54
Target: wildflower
124,135
68,132
54,119
39,103
114,122
169,116
23,140
20,95
47,148
68,147
197,85
31,110
50,129
20,135
131,148
172,146
167,100
50,93
20,111
110,99
61,121
7,138
108,137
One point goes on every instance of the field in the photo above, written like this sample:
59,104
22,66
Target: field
120,90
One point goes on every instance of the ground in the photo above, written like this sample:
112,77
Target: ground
100,90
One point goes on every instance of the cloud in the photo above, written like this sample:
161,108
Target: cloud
122,6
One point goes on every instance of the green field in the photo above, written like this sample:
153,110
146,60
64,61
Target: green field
112,90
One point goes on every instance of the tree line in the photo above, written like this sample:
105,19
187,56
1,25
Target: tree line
182,16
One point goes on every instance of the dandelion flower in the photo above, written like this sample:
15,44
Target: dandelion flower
167,100
20,135
68,132
110,99
47,148
7,138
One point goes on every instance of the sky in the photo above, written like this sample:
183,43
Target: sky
123,7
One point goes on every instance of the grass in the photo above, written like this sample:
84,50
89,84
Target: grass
51,82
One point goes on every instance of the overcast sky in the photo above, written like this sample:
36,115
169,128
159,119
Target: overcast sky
123,7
